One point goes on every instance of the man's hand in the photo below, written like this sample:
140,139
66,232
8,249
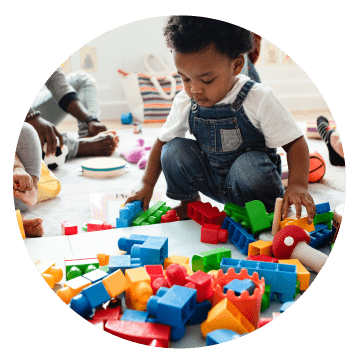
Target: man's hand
47,134
95,128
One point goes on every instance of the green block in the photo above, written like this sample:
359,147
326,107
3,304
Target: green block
258,216
152,215
79,270
209,260
266,298
237,213
323,218
298,283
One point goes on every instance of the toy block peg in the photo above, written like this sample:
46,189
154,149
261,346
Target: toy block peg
183,261
20,223
68,228
170,216
212,233
277,216
260,247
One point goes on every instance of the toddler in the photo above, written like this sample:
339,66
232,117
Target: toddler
237,125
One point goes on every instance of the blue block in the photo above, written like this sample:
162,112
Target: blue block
126,244
126,118
281,277
323,208
221,335
286,305
238,235
200,314
96,275
127,214
238,286
134,316
153,251
122,262
173,306
320,236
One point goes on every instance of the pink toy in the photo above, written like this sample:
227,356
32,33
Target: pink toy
137,154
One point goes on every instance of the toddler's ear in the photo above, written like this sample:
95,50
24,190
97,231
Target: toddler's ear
238,65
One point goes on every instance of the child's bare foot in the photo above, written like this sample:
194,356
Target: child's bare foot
22,180
103,144
33,227
183,208
29,197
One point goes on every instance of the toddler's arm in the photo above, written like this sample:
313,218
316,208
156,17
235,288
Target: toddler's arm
144,191
22,181
298,160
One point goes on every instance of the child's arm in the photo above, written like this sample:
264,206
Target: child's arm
298,160
22,181
144,191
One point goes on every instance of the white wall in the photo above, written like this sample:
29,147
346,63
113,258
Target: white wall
125,47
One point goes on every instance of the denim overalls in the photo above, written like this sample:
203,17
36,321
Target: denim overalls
228,161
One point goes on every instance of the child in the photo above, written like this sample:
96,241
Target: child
237,125
26,174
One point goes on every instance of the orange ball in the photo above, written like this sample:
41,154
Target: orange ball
317,167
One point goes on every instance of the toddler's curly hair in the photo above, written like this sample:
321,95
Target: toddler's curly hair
188,34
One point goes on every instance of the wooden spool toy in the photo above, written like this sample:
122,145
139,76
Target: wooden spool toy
103,167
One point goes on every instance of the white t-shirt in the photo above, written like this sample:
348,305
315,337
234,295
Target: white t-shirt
263,108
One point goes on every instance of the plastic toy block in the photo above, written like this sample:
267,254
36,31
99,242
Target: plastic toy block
72,288
50,274
222,335
128,214
201,282
151,334
226,315
298,283
262,258
200,314
89,298
323,218
170,216
80,265
103,259
126,244
139,290
238,235
281,277
156,272
209,260
96,275
122,262
212,233
134,316
263,321
302,274
302,222
239,286
96,225
266,298
204,213
248,305
260,247
238,214
183,261
286,305
153,251
152,215
258,216
321,236
323,208
115,283
68,228
105,314
20,222
173,306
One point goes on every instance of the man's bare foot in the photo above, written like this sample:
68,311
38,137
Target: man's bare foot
103,144
183,208
33,227
29,197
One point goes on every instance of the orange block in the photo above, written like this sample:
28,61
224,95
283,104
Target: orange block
302,222
50,274
115,283
302,274
226,315
20,223
260,247
181,260
72,288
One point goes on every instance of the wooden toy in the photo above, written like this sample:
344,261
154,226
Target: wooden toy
50,274
277,216
103,167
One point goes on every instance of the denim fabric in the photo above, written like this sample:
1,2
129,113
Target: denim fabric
228,161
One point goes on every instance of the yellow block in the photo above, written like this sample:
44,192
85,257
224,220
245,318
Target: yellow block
48,185
20,223
115,283
176,259
226,315
302,222
260,247
302,274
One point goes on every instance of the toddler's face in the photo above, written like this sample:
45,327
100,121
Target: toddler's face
207,75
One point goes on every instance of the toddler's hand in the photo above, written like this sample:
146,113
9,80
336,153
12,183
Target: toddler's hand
299,196
143,192
22,181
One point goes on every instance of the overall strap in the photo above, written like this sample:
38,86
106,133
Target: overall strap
242,95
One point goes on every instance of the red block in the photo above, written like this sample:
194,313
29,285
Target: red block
98,226
213,234
262,258
170,216
155,272
176,275
145,333
202,283
102,314
204,213
263,321
69,228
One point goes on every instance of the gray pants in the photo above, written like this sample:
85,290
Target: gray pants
85,86
29,152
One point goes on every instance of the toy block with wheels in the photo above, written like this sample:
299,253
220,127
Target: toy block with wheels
213,234
204,213
79,265
128,214
209,260
50,274
152,215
